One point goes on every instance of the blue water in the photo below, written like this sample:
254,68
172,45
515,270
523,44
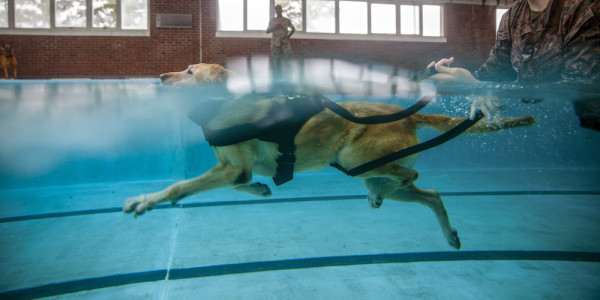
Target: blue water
525,203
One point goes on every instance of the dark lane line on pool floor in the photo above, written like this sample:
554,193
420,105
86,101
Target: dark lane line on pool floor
285,200
55,289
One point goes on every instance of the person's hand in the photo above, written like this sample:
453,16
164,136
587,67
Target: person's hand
451,75
489,106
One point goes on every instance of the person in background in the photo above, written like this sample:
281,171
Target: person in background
282,30
541,41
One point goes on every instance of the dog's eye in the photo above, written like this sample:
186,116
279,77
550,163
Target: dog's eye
189,71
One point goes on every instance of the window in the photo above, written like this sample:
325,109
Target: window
70,13
231,15
292,9
353,17
335,19
32,14
76,17
258,14
383,18
3,13
499,13
104,13
410,19
134,14
432,16
320,16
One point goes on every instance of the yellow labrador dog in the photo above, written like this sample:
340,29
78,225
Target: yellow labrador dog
323,139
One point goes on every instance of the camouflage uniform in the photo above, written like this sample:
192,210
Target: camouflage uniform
562,43
280,45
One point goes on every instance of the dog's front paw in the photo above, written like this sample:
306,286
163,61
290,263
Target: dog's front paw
264,190
375,200
138,205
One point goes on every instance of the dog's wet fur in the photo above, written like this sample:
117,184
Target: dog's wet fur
324,139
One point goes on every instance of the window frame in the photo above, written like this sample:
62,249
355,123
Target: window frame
88,30
304,34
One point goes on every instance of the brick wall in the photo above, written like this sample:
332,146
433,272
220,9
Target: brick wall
469,29
106,56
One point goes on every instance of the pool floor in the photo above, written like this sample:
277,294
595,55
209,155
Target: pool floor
525,234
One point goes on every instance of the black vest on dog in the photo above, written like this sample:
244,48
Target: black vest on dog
281,126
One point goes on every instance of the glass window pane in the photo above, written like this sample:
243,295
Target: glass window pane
231,15
104,14
499,13
3,13
292,9
409,19
353,17
432,20
383,18
70,13
32,13
320,16
134,14
258,14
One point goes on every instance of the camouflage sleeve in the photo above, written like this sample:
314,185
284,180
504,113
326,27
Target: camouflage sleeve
498,66
582,48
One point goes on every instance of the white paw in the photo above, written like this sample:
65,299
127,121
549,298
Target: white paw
264,190
138,205
375,200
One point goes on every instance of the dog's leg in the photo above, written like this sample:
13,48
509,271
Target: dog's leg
222,175
6,72
431,199
255,188
388,179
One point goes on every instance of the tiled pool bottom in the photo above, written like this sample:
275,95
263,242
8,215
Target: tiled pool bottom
524,234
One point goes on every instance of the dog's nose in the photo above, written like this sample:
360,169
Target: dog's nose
163,77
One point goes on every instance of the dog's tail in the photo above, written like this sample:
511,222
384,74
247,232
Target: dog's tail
443,123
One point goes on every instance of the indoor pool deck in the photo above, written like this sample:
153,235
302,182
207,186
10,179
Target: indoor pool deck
526,234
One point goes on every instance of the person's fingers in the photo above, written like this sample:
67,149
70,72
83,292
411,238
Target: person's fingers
441,66
431,64
446,61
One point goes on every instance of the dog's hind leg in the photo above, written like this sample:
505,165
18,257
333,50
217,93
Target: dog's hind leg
222,175
386,180
255,188
431,199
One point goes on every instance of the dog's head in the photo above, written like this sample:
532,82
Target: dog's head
7,49
198,74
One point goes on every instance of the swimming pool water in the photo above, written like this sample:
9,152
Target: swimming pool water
524,201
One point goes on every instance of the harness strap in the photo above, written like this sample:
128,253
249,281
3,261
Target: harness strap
446,136
379,119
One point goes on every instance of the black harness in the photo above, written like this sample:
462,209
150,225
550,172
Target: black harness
285,120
